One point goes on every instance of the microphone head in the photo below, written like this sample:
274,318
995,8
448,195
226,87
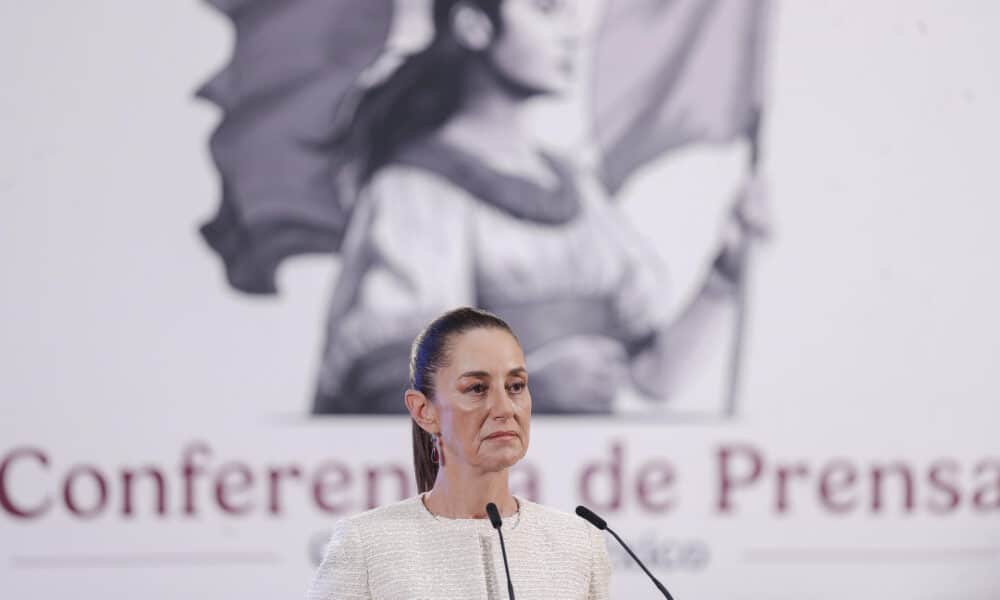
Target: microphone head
590,517
494,514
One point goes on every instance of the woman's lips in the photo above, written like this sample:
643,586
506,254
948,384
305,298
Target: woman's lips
502,435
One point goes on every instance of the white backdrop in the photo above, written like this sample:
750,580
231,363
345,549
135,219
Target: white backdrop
873,337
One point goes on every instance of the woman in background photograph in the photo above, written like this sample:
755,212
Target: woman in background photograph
458,205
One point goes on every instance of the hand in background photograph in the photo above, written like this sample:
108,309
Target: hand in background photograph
750,219
577,375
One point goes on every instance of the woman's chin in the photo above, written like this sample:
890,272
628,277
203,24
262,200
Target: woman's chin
502,459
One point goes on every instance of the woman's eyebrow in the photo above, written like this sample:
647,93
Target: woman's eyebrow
474,374
514,371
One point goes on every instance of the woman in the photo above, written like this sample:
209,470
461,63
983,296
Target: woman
459,206
471,409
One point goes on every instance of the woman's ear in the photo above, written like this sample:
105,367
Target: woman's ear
471,27
422,410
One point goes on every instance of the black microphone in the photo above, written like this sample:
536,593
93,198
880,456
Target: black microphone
601,524
494,514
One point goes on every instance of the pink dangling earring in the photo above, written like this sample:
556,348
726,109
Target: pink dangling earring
437,454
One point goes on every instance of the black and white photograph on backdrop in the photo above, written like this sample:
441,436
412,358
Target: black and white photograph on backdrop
393,135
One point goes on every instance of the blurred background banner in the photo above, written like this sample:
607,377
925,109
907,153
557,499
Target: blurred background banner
700,78
172,426
294,64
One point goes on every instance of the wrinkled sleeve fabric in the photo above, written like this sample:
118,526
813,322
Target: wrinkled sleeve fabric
408,259
343,574
600,567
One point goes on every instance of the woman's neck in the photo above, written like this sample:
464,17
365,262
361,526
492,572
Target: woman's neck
460,493
489,127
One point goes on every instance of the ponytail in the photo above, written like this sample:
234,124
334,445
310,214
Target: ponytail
424,467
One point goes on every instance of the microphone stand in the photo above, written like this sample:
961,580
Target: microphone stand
494,514
601,524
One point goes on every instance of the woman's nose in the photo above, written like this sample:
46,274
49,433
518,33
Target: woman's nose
502,406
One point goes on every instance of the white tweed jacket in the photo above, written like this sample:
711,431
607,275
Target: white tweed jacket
402,551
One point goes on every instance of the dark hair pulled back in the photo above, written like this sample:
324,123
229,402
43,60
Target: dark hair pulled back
429,353
421,95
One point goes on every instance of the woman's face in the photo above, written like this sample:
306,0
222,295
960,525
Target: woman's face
537,47
482,400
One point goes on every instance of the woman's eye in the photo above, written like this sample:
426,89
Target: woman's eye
477,389
517,387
